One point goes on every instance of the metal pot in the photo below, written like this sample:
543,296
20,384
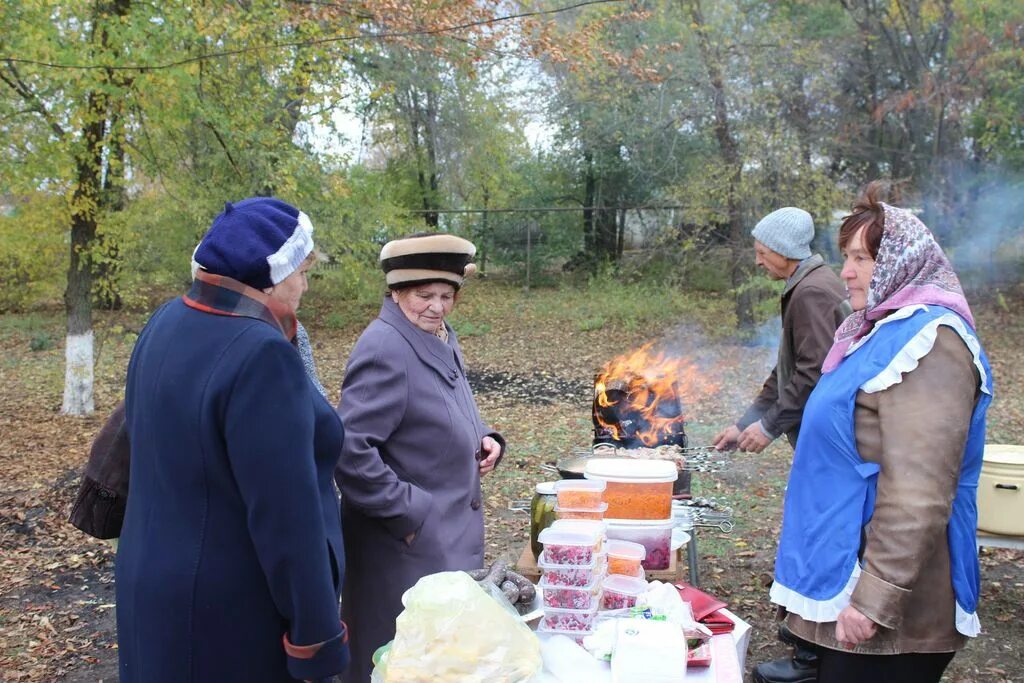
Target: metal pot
572,466
568,466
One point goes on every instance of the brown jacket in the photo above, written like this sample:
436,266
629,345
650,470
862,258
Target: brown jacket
916,431
102,497
813,305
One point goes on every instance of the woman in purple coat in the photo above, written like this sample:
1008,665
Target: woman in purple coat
415,446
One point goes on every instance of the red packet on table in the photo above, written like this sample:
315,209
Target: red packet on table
718,622
700,656
701,603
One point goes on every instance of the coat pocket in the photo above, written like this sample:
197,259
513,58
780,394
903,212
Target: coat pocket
336,556
426,535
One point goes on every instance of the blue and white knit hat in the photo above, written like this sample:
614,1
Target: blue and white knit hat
258,241
787,231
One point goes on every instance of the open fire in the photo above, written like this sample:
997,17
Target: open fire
640,398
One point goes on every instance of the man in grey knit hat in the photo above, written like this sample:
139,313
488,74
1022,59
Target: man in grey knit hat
813,305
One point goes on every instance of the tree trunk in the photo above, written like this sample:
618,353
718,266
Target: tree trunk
621,246
86,201
589,197
113,200
431,144
730,156
78,377
481,259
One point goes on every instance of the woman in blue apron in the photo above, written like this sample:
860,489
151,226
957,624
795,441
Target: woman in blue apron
877,561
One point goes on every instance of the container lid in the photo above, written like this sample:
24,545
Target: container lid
593,565
626,549
588,526
546,488
600,508
644,523
630,470
551,536
626,585
567,610
581,485
545,585
544,630
1004,454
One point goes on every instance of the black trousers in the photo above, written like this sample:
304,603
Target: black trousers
835,666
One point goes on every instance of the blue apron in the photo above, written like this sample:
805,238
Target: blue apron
831,492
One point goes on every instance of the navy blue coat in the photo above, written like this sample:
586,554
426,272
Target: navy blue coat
232,536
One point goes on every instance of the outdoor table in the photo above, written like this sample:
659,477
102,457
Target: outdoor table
728,656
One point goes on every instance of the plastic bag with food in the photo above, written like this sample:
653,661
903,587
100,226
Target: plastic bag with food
452,631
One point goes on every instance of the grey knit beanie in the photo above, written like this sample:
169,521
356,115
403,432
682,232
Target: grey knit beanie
788,231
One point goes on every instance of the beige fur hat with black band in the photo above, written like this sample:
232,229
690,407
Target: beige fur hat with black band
428,257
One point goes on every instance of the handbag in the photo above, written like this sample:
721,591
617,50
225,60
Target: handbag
103,495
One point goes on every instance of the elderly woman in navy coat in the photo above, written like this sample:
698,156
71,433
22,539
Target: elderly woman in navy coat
231,558
415,445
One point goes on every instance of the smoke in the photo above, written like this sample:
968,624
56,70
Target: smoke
737,366
981,227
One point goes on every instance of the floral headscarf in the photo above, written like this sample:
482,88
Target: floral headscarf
910,268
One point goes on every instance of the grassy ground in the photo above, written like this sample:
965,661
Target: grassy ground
533,357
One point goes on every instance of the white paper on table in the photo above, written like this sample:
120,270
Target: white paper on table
567,662
647,650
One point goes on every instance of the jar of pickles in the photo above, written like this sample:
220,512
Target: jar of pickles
542,513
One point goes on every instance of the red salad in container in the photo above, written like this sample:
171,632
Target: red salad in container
621,592
570,597
569,619
655,536
572,574
569,547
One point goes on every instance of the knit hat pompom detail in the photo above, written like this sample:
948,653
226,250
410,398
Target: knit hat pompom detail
434,257
787,231
258,241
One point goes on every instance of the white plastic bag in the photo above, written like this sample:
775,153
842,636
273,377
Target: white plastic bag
451,631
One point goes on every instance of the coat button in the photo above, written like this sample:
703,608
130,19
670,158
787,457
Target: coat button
453,374
475,504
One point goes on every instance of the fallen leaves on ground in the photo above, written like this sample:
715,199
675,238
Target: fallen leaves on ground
533,375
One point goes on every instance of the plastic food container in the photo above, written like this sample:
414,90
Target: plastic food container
596,513
621,592
578,636
655,536
587,526
571,574
569,547
570,597
569,619
1001,490
636,489
580,494
624,557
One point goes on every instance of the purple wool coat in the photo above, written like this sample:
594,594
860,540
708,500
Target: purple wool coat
409,464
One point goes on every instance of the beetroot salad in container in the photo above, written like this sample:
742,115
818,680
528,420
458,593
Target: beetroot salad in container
570,547
654,535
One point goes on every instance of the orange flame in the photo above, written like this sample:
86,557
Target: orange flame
653,386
